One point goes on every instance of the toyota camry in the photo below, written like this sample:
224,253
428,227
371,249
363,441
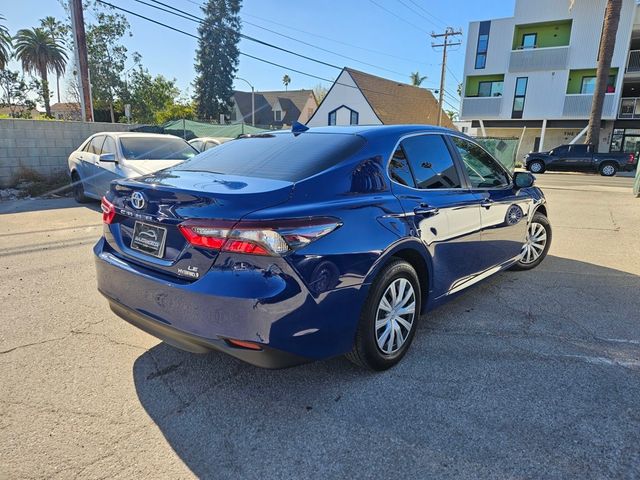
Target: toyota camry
288,247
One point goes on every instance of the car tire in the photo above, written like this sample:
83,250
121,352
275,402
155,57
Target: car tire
78,189
608,169
538,230
397,288
536,166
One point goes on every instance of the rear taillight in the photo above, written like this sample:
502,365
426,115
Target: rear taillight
272,237
108,211
632,159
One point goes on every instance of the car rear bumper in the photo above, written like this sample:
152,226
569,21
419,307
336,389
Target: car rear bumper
265,358
258,302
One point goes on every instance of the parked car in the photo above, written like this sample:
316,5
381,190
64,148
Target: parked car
318,243
105,156
580,158
205,143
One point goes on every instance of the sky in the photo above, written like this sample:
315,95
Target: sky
388,38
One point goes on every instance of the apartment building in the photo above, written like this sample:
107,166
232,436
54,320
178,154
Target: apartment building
532,76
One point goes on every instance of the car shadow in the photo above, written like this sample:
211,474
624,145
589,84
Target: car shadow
35,204
528,374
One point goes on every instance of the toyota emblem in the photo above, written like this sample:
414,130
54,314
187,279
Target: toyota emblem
138,200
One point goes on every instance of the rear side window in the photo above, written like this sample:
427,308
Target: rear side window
96,145
429,161
280,156
578,149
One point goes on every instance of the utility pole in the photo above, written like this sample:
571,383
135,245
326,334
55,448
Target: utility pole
449,32
82,62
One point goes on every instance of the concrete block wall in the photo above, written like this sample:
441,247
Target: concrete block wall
43,146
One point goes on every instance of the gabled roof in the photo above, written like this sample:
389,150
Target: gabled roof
398,103
292,102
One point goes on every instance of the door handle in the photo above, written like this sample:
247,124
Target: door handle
425,209
487,203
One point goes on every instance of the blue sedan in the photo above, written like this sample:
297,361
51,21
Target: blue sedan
288,247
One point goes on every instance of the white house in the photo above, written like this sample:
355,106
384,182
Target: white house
533,75
358,98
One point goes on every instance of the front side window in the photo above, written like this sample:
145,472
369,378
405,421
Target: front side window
430,162
529,40
109,146
482,169
578,149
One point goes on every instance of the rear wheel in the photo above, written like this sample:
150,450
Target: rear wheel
608,169
537,243
536,166
388,320
78,189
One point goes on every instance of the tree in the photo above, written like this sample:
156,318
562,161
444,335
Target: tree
5,45
217,57
40,54
107,58
286,80
416,79
176,111
607,45
58,32
320,92
15,92
148,95
453,115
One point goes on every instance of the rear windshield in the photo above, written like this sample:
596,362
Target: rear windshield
156,148
277,156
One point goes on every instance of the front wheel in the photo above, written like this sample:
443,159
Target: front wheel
78,189
537,243
388,320
608,170
536,166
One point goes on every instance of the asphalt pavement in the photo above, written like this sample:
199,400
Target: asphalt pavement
529,375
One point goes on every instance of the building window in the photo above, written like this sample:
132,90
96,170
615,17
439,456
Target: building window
277,114
490,89
354,117
332,118
483,45
529,40
588,85
518,98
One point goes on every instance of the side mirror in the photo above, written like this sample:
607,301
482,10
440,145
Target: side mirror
107,157
523,180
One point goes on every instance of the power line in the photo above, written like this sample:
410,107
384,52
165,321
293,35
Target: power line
442,22
193,18
398,16
390,55
416,12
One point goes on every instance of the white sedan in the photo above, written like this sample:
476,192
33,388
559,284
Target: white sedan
106,156
205,143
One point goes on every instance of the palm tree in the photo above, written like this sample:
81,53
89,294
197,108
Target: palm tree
286,80
416,79
5,45
57,30
608,43
40,54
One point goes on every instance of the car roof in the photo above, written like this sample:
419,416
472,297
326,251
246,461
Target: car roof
135,135
367,130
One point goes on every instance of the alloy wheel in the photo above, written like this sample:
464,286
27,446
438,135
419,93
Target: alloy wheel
535,243
608,170
395,316
536,167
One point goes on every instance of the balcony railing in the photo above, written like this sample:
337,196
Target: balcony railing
481,107
536,59
579,105
629,108
633,62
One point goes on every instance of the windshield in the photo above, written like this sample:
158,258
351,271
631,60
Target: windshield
156,148
277,156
